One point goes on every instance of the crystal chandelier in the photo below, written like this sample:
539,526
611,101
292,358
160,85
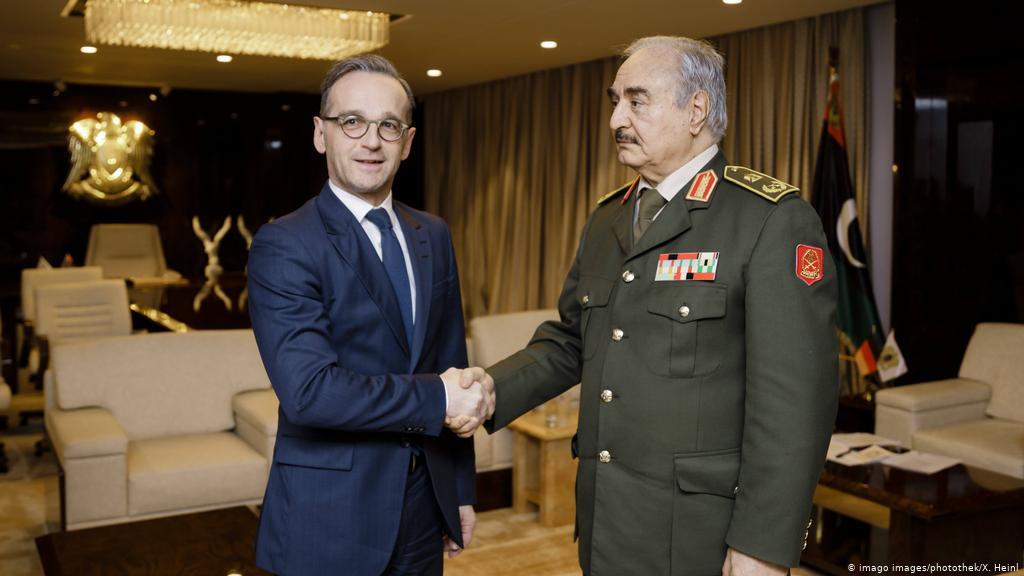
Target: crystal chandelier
235,27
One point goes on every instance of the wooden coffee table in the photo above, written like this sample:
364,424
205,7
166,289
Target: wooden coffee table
958,515
543,471
214,543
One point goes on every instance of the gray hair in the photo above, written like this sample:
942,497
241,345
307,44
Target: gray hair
363,63
700,67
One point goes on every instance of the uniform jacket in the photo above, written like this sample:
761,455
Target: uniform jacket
706,403
353,394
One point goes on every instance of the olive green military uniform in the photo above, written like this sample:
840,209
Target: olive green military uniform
709,386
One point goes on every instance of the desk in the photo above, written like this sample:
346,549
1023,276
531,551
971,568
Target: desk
543,471
178,301
957,515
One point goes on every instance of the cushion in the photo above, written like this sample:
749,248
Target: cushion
187,471
165,384
992,444
259,409
994,357
933,395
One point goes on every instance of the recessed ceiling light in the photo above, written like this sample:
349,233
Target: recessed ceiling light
433,72
732,1
152,97
88,49
549,44
225,58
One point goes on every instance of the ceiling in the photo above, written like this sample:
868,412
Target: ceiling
471,41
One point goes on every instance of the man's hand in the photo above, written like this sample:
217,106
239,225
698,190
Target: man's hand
468,403
486,382
467,518
739,564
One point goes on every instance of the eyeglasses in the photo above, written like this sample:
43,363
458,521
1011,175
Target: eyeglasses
355,126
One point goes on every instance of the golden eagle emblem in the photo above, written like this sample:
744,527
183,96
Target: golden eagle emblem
110,160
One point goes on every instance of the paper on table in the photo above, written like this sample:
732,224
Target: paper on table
920,462
869,455
835,450
858,439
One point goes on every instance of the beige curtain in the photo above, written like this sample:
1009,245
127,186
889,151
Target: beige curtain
516,165
777,82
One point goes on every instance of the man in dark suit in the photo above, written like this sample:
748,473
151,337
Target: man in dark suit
699,317
355,303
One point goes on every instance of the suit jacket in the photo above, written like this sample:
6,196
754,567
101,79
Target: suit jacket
706,403
353,394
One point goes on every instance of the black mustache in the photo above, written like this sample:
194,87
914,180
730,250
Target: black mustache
621,136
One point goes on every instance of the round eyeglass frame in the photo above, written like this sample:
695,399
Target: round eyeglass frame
339,120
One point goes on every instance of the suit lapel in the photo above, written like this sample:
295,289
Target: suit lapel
675,216
353,246
418,242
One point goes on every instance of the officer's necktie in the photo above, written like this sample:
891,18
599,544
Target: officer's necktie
394,263
650,203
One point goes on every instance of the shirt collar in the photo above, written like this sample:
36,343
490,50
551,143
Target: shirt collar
675,181
359,207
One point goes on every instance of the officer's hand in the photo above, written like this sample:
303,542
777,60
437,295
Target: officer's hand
739,564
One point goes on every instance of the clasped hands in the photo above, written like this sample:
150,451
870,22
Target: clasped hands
470,399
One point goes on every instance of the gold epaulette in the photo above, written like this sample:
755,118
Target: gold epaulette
617,191
761,184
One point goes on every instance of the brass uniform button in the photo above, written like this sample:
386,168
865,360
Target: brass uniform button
586,299
606,396
684,311
617,334
628,276
604,456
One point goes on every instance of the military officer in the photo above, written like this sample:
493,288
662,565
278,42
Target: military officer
698,315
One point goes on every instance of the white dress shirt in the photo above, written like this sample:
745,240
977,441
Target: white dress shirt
360,208
675,181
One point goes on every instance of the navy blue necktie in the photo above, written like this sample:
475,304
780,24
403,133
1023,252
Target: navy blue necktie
394,263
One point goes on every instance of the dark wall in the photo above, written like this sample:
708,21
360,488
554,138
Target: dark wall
216,154
958,243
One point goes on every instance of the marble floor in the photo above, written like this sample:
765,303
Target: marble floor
29,503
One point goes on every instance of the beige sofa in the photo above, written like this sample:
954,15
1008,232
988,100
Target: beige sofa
160,424
494,338
978,417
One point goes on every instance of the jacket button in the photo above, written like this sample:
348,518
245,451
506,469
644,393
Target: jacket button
586,299
628,276
606,396
684,311
604,456
617,334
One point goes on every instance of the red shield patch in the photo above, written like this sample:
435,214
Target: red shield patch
809,263
702,187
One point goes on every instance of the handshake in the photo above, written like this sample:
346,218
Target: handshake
470,399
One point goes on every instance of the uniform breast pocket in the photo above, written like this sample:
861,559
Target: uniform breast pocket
686,321
593,294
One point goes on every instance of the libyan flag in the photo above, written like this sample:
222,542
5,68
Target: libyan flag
832,197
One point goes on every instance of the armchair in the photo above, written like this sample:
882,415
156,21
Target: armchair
978,417
160,424
77,311
129,251
31,280
494,338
